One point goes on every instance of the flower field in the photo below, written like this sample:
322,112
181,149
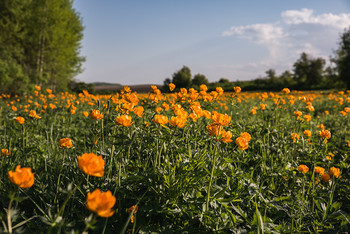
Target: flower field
187,161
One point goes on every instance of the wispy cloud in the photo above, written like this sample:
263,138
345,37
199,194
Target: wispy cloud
297,31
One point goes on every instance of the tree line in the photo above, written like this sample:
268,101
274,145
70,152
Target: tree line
308,73
40,42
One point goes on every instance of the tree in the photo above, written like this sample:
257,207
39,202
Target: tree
342,58
182,78
39,42
309,72
200,79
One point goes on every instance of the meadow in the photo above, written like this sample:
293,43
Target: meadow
183,162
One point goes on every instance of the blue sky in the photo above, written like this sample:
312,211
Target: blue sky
145,41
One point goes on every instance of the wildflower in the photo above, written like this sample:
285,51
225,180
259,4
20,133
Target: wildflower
237,89
91,164
298,114
95,114
14,108
49,91
124,120
285,90
219,90
220,119
246,135
138,111
171,86
319,170
226,136
101,203
5,152
326,112
325,134
321,126
66,143
213,129
22,177
295,137
20,120
307,133
307,118
242,143
263,106
160,119
303,168
330,156
37,87
325,177
86,114
334,172
158,109
134,208
348,143
252,112
203,87
177,121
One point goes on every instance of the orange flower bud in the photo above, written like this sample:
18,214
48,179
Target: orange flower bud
171,86
334,172
5,152
95,114
101,203
91,164
22,177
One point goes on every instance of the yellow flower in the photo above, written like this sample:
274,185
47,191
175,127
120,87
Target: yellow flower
124,120
203,87
91,164
22,177
101,203
298,114
246,135
242,143
252,111
138,111
226,136
20,120
66,143
220,119
86,114
303,168
5,152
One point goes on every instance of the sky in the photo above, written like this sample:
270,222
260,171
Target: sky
145,41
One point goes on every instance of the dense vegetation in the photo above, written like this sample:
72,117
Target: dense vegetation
194,161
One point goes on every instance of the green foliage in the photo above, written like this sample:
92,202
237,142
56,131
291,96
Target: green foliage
39,43
342,58
199,79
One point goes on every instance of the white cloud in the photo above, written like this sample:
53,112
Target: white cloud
297,31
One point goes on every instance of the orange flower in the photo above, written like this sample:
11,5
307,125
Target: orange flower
101,203
319,170
134,208
285,90
20,120
307,133
321,126
219,90
334,172
91,164
14,108
242,143
66,143
177,121
124,120
49,91
213,129
86,114
220,119
303,168
37,87
325,177
138,111
22,177
325,134
263,106
160,119
171,86
5,152
226,136
95,114
298,114
246,135
307,118
295,137
252,112
237,89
